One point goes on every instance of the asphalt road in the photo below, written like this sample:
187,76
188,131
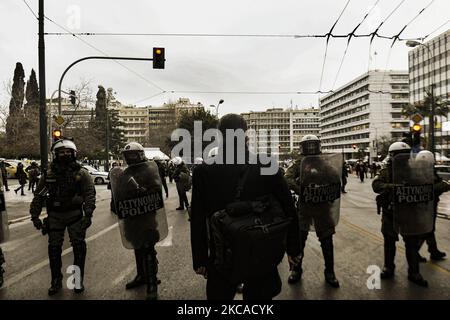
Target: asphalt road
358,246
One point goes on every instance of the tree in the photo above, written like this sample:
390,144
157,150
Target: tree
116,134
16,116
424,108
17,90
187,119
29,142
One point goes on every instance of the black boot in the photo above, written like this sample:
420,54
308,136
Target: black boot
412,247
79,254
389,257
54,256
435,254
151,270
297,271
296,274
139,280
328,255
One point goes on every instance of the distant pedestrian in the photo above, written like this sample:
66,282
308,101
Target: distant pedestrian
33,175
344,177
4,174
22,177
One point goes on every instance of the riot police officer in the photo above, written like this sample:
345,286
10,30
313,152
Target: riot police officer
162,173
384,186
440,186
69,194
141,226
324,224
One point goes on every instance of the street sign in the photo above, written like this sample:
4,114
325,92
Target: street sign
416,118
59,120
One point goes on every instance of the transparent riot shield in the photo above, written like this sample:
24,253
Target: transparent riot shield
413,195
137,193
320,189
4,229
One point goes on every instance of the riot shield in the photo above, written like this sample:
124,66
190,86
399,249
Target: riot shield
137,193
4,229
320,189
413,195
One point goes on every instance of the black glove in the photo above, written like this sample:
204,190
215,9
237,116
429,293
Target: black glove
37,223
86,222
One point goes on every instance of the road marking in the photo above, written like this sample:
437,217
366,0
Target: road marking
123,275
12,245
44,263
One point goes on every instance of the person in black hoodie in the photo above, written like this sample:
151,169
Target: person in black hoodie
214,186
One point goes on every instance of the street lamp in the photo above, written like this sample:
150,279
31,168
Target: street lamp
217,107
412,44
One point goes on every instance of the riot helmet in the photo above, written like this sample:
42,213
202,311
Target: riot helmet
133,153
198,160
177,161
425,155
64,151
310,145
398,147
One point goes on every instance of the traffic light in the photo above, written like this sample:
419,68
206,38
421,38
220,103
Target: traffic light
57,134
354,147
416,130
158,58
72,97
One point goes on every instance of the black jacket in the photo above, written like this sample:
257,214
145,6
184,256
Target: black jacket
214,186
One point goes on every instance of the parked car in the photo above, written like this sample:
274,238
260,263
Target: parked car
11,168
99,177
443,171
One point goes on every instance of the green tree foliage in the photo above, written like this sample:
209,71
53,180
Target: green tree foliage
187,119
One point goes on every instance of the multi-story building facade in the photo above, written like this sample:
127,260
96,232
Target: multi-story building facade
167,115
292,125
363,111
135,123
429,66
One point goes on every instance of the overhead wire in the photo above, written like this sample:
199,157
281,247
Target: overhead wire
350,35
327,42
105,54
31,10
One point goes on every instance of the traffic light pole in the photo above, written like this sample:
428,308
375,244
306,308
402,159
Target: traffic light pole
90,58
42,92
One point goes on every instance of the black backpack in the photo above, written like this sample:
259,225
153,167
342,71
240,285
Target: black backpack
249,236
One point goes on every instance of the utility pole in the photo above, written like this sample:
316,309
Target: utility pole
42,91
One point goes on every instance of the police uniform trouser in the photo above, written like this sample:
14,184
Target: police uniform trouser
412,245
430,238
58,223
164,183
147,264
218,287
182,196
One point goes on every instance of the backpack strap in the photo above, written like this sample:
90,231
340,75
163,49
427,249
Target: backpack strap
242,178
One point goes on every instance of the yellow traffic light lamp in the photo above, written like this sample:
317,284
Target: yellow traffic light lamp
57,134
158,58
416,128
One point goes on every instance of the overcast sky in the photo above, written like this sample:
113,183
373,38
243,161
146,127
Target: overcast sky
211,64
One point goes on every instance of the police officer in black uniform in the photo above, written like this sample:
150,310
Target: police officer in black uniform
310,146
69,193
383,185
